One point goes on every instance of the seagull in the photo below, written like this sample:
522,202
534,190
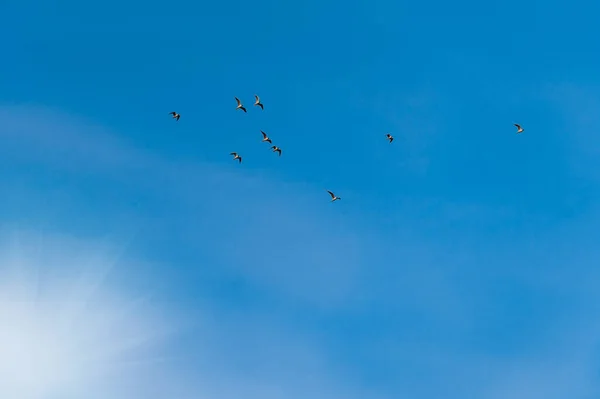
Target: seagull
519,128
239,106
176,116
266,138
236,156
276,149
258,103
390,137
333,197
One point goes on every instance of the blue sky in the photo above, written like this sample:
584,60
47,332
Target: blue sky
460,263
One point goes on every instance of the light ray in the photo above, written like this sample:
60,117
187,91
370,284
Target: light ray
65,331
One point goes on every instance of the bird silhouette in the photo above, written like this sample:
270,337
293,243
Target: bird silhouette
258,103
236,156
276,149
175,115
333,197
519,128
239,105
266,138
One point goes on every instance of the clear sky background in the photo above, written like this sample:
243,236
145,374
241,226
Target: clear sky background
139,261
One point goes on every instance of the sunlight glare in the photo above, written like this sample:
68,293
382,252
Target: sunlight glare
63,332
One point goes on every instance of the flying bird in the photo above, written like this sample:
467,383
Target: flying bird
266,138
258,103
239,105
333,197
236,156
176,116
389,137
519,128
276,149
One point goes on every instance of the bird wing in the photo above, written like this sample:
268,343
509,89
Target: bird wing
518,126
234,154
257,99
264,134
238,101
172,113
332,194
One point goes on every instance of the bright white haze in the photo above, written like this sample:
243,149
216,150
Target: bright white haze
63,334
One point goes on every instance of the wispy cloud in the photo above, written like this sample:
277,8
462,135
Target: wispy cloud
324,249
67,333
567,367
416,310
319,268
576,108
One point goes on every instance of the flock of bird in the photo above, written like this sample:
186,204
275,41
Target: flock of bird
266,138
